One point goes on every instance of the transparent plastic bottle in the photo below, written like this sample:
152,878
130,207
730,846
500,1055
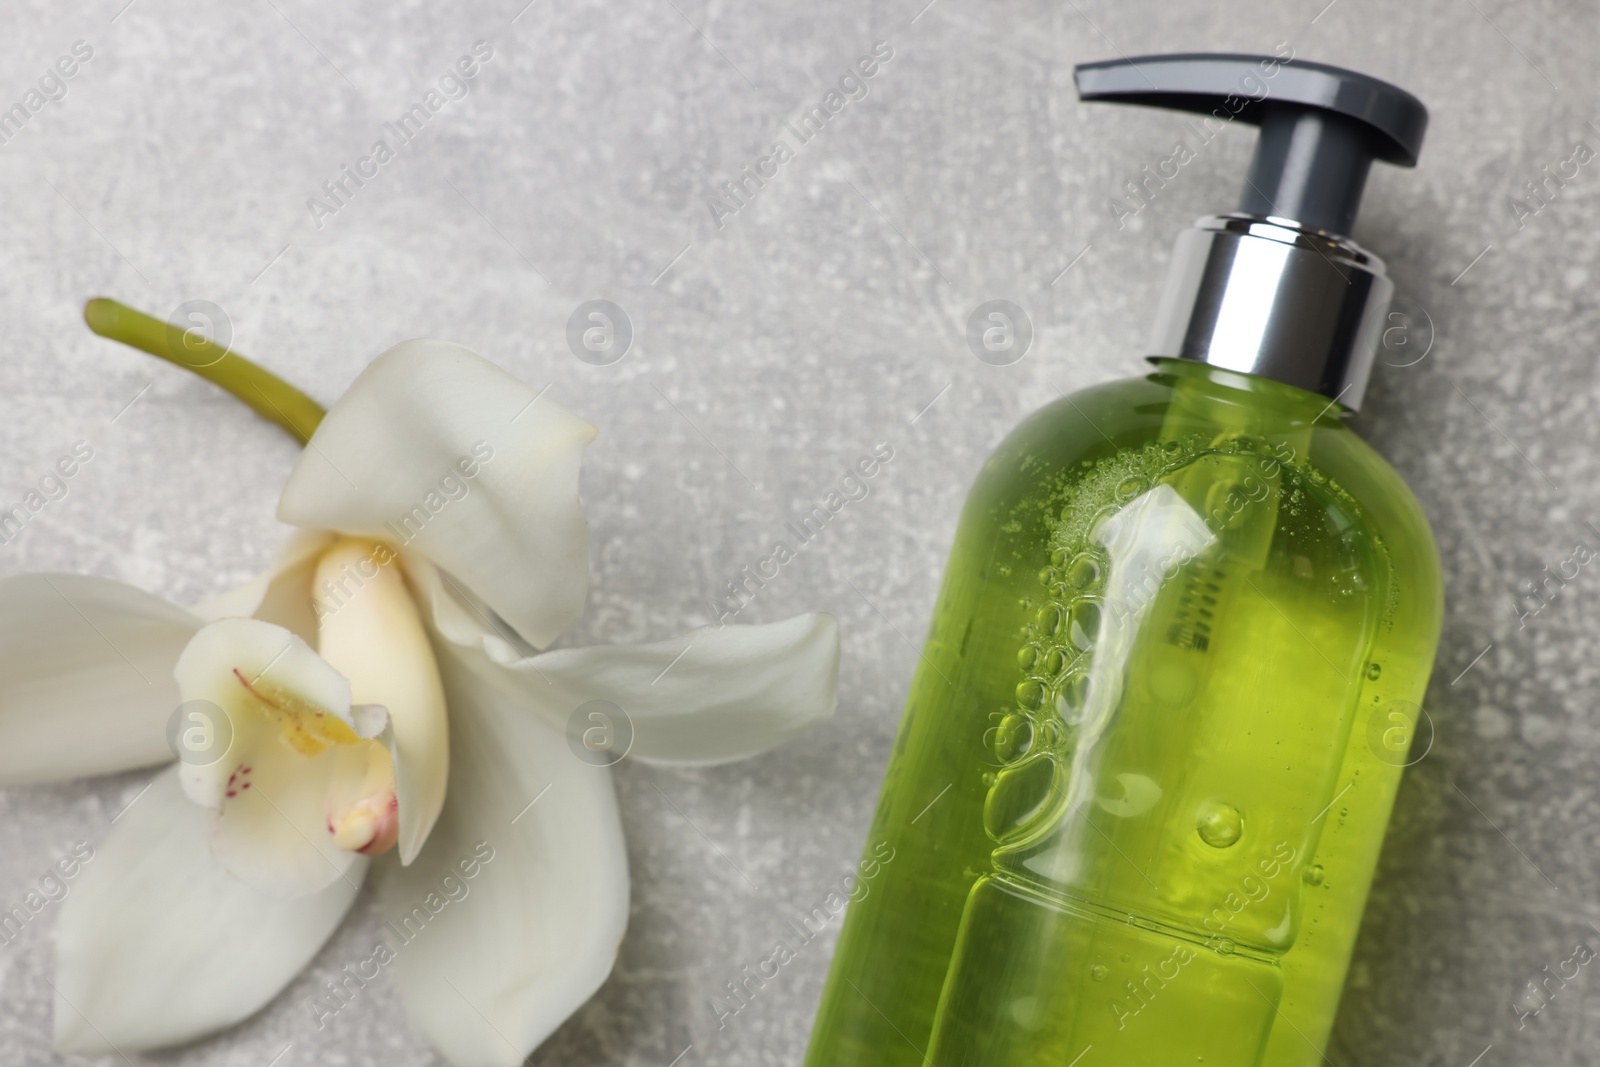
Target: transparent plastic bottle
1177,664
1148,758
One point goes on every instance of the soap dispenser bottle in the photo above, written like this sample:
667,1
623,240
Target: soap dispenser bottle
1176,665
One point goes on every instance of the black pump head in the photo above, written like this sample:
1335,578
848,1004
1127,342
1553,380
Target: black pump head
1321,126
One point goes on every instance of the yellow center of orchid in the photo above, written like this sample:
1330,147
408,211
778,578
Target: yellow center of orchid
327,750
307,728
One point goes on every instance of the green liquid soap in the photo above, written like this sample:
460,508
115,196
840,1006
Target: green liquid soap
1145,768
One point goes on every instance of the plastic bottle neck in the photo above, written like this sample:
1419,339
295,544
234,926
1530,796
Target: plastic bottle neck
1243,403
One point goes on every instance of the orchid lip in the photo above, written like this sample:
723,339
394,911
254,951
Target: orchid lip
308,784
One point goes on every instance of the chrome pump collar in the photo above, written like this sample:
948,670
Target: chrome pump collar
1263,295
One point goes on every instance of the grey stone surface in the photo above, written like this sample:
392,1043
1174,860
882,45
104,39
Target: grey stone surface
770,352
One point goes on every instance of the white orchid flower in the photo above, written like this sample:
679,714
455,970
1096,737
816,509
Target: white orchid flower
376,699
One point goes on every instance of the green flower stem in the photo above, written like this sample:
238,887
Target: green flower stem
263,392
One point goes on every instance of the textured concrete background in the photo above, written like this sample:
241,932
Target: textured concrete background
772,352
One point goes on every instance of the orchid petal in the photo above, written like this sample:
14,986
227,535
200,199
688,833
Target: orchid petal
371,632
158,945
282,594
287,713
514,910
438,450
85,676
713,695
708,697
